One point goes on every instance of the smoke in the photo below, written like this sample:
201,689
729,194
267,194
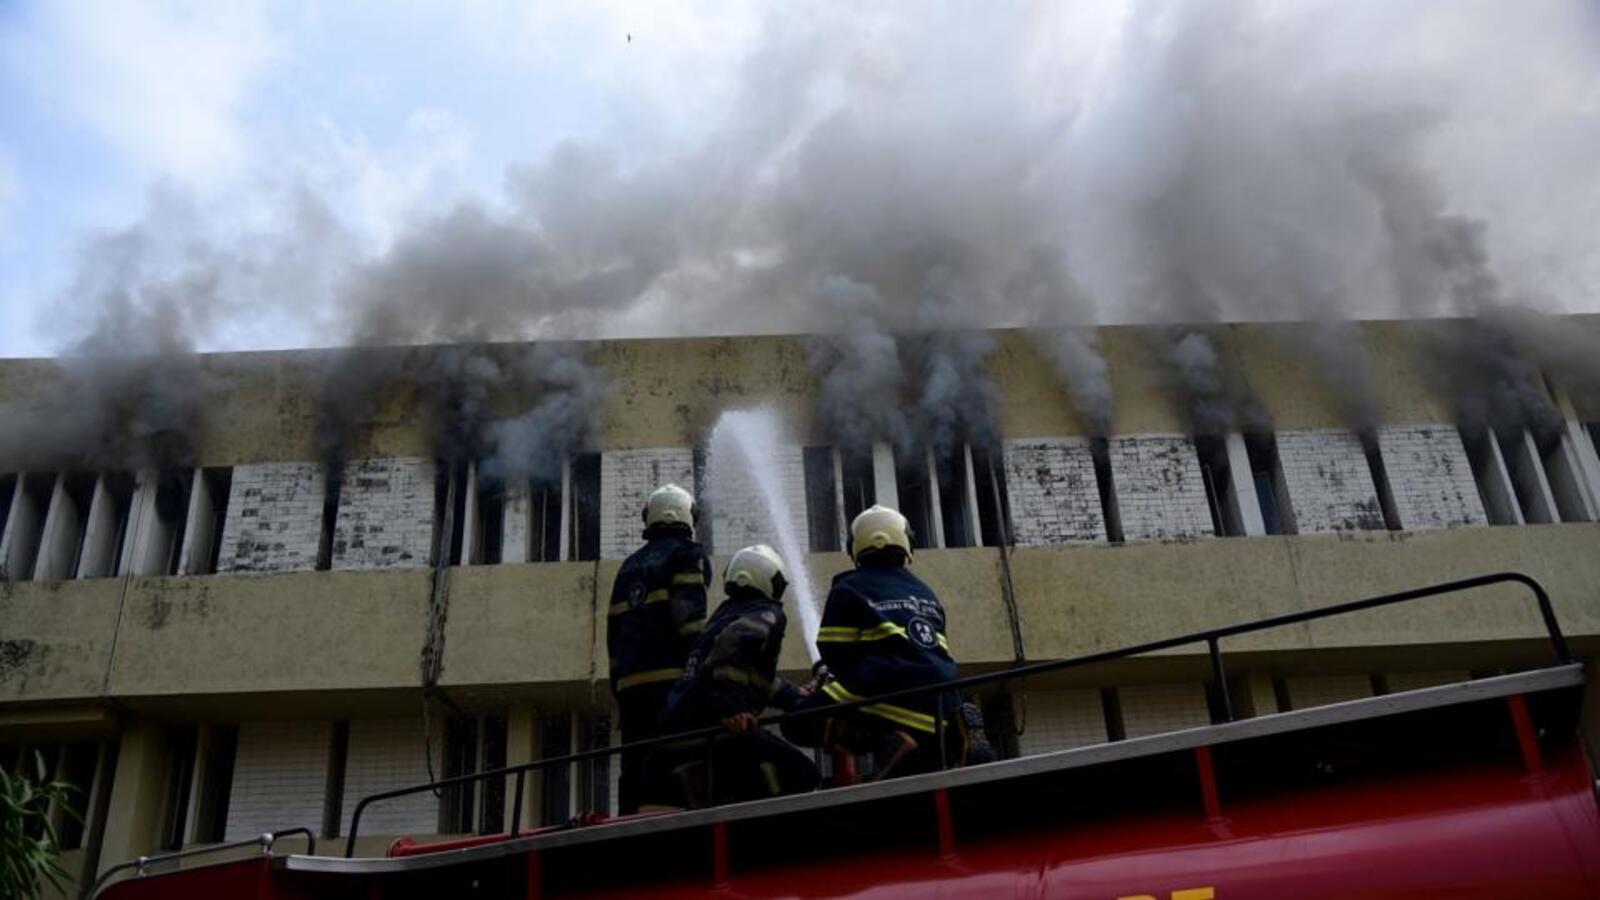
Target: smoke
561,423
899,180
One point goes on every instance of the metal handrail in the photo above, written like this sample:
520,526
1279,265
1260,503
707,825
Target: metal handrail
264,841
1210,637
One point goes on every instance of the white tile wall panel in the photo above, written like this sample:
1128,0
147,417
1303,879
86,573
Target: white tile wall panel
1157,708
1160,492
626,479
280,777
274,519
385,754
1320,690
1054,496
386,514
1430,477
738,505
1329,481
1059,720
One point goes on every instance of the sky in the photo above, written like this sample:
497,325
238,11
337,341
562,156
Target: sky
259,175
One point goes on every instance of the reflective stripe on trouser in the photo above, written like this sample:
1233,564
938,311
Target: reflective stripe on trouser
897,714
649,676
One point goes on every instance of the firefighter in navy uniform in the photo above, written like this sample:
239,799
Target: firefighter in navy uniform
883,630
730,678
658,608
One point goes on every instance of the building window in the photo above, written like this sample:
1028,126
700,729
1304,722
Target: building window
994,499
210,508
1489,473
585,507
955,497
822,492
1527,477
66,524
8,490
451,485
1380,480
1272,494
214,782
25,525
1217,476
489,527
911,484
119,489
544,521
1100,453
182,739
1561,473
858,484
555,794
332,485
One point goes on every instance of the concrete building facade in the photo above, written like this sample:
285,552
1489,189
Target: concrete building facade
241,645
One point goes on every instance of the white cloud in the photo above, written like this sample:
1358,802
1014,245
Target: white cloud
161,81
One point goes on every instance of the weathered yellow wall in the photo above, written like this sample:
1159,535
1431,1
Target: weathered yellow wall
56,637
523,630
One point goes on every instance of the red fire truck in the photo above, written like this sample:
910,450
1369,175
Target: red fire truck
1480,789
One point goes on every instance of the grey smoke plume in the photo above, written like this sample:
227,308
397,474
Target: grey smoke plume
562,422
957,169
1075,355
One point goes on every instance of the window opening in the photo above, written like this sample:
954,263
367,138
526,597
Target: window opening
994,500
333,485
180,780
586,506
555,799
1100,453
595,783
544,521
460,758
1561,473
822,510
8,490
705,505
1218,478
1266,473
216,783
450,493
78,490
911,483
173,487
27,524
219,486
488,549
1526,477
333,797
859,484
492,818
78,769
1380,480
1489,476
955,512
119,488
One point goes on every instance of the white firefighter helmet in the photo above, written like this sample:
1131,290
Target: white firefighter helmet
757,566
669,505
876,528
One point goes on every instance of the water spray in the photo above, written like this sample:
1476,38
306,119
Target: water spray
741,468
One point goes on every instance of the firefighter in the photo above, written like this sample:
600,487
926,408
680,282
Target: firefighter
883,630
730,678
658,608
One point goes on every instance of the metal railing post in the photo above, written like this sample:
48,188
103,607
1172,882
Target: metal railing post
516,804
1221,679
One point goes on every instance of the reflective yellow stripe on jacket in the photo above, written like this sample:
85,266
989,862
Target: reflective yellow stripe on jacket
837,634
649,676
898,714
658,595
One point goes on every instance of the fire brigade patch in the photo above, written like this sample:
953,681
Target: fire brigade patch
922,633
